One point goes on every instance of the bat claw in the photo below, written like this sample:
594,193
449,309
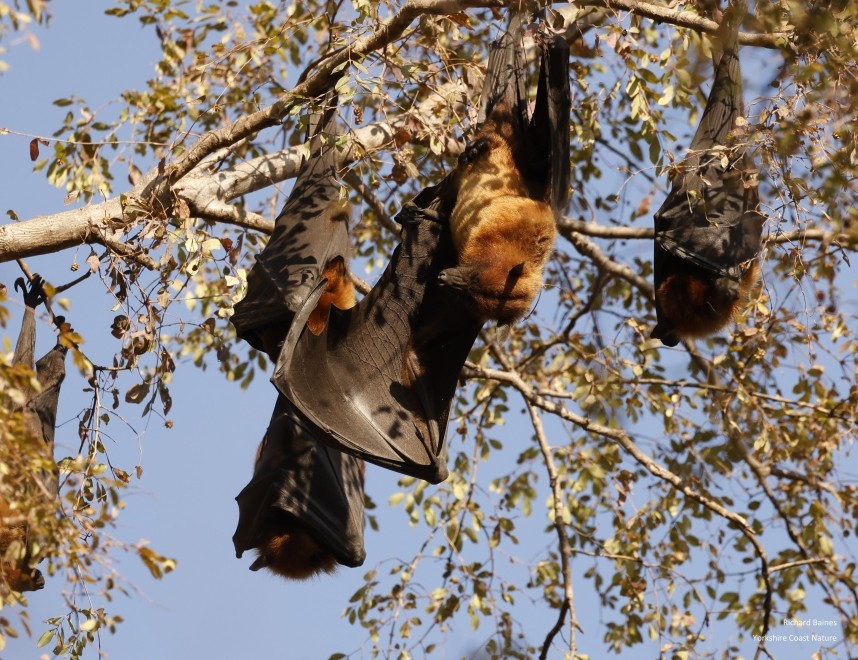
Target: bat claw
38,580
474,150
409,215
412,215
35,295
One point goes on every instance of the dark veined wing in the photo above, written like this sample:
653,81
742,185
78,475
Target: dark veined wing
506,78
544,136
378,383
549,127
710,216
317,488
311,231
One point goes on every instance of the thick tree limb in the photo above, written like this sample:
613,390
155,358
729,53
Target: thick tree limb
207,195
686,19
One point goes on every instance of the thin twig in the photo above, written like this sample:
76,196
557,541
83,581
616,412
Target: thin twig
563,539
659,471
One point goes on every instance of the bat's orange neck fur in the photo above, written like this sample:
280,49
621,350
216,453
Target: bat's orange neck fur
694,307
339,292
293,553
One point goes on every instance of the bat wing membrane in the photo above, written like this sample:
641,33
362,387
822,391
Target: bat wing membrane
310,231
379,381
320,487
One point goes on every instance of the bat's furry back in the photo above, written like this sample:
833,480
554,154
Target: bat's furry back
288,549
503,237
695,304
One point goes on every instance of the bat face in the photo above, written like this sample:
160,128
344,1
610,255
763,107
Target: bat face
378,382
695,303
511,180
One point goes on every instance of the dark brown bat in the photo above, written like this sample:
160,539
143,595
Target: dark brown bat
708,231
40,413
303,510
513,179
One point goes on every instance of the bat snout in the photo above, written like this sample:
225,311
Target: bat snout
665,334
727,289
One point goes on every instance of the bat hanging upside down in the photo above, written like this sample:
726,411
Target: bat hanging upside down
512,180
708,231
303,510
40,413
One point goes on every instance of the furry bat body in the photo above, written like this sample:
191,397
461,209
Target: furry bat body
708,231
512,180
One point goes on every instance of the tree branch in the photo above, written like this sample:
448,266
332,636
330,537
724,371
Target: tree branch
686,19
563,540
207,194
656,469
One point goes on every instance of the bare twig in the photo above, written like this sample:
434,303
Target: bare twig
659,471
563,539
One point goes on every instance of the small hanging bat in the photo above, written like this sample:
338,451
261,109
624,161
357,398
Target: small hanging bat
40,413
513,179
708,231
303,510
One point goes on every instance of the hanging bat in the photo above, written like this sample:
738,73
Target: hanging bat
512,180
40,412
708,231
303,509
380,381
